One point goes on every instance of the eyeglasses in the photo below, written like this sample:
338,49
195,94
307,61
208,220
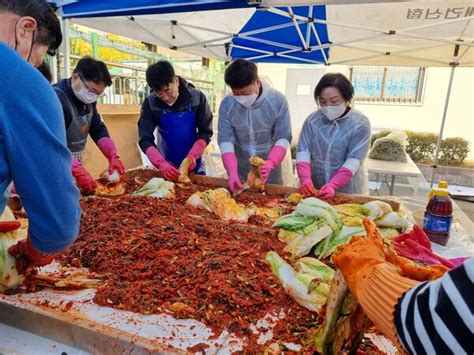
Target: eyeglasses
161,94
90,91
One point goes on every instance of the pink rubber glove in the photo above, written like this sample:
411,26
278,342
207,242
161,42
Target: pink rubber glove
458,261
341,178
196,152
275,157
230,164
107,147
167,170
13,190
84,180
306,184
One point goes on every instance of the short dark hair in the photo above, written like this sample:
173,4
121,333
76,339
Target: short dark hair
160,74
48,31
337,80
44,69
94,70
240,73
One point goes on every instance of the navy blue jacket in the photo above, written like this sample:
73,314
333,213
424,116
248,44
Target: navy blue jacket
188,97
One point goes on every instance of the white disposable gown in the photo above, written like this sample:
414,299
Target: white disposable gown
330,145
255,130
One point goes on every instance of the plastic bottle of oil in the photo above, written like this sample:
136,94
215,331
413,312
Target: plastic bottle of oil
439,215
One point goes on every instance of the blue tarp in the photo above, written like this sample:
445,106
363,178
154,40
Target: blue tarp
103,8
284,36
273,44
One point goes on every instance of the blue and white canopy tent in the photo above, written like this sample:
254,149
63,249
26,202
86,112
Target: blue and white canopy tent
421,33
368,32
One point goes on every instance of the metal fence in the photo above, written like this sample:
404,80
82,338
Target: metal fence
129,85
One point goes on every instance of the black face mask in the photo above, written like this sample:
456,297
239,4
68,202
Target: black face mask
32,42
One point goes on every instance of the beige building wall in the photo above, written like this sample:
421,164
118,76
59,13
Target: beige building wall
121,121
425,116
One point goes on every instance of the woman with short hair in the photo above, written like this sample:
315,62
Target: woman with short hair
334,142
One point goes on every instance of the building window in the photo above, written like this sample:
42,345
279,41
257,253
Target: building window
388,84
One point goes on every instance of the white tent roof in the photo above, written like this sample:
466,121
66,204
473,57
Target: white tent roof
422,33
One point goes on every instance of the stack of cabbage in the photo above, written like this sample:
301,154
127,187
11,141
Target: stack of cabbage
220,202
308,283
313,222
157,188
9,277
316,224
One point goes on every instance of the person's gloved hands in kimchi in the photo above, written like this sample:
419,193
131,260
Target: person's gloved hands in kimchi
374,282
107,147
306,184
196,153
84,180
167,170
27,255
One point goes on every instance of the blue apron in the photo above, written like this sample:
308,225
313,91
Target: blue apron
178,135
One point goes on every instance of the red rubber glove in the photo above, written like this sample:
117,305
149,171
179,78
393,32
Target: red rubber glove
274,159
107,147
84,180
168,171
27,255
196,152
9,226
306,184
230,164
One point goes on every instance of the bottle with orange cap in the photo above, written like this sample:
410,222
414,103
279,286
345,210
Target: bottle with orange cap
438,214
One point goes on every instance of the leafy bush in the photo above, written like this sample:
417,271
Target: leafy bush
294,143
453,151
422,146
293,148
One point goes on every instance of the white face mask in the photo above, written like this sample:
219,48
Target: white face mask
333,112
85,95
246,100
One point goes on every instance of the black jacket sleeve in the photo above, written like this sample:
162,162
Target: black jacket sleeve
146,127
204,119
97,130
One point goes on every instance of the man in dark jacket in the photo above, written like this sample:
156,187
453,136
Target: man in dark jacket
182,116
78,95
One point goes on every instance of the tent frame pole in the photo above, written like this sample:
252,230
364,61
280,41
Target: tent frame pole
297,28
318,40
66,51
308,27
443,121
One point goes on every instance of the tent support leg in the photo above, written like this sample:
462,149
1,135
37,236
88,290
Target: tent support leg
443,121
65,45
